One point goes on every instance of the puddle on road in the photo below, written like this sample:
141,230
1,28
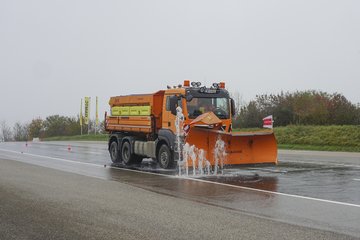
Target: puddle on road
231,174
330,182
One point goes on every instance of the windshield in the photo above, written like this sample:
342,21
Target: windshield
198,106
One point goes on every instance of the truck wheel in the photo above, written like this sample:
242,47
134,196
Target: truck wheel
114,152
164,157
126,155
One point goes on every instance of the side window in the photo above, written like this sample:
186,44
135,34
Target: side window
168,103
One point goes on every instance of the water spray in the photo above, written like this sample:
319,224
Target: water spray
179,136
219,155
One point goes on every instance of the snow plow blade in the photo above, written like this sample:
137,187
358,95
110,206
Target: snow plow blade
240,148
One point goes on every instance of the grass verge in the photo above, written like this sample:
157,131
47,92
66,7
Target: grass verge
90,137
320,138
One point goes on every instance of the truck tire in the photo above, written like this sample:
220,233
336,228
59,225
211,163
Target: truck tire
114,152
165,158
126,155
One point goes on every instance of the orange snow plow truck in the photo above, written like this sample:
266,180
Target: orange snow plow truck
151,125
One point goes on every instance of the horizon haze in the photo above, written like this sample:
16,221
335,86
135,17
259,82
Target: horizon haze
53,53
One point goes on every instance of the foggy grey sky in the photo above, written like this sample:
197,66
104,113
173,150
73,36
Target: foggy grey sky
53,53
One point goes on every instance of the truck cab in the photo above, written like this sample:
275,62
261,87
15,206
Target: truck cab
197,100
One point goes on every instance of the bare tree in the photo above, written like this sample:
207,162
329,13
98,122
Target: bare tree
20,131
239,102
5,132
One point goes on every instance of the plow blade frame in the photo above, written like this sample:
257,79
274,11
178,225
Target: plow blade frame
240,147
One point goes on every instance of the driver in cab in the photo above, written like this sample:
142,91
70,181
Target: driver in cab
206,105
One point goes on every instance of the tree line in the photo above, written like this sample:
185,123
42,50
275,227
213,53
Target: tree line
299,108
51,126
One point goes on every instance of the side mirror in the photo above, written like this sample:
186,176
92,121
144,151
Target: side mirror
232,106
173,104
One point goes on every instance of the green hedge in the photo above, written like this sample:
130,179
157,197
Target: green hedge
336,138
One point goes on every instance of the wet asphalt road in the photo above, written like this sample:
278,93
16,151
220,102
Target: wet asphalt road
315,190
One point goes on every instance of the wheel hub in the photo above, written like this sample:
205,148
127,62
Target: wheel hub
164,157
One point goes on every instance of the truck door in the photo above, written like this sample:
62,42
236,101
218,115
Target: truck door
168,121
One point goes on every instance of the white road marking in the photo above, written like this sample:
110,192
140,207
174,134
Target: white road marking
356,179
192,179
320,163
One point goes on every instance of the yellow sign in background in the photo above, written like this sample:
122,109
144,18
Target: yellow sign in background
87,110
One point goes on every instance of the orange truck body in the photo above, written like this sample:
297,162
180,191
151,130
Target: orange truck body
146,128
136,123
